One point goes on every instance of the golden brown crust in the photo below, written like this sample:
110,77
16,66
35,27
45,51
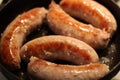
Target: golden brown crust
15,33
92,12
59,47
61,23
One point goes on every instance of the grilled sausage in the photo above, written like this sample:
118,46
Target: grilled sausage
92,12
61,23
15,34
45,70
59,47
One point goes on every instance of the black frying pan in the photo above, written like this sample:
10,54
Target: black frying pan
11,8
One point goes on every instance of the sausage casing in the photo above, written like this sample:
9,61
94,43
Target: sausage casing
45,70
61,48
15,34
92,12
61,23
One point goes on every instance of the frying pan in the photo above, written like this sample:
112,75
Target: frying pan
11,8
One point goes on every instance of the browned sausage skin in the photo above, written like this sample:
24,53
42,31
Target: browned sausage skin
92,12
15,33
59,47
61,23
45,70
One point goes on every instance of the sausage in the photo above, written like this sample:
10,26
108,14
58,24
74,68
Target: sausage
57,47
61,23
44,70
15,34
91,12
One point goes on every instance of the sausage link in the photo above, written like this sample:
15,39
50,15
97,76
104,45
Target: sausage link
92,12
59,47
44,70
15,34
61,23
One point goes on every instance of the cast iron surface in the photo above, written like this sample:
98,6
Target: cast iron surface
14,7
